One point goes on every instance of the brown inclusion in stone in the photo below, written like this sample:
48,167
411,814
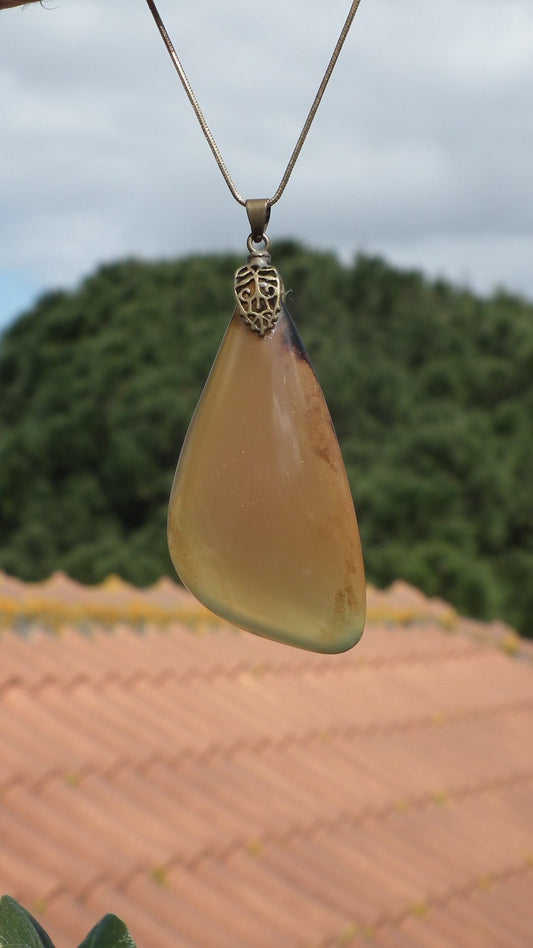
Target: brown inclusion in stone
261,523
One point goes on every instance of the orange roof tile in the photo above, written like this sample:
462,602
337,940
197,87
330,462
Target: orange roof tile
216,789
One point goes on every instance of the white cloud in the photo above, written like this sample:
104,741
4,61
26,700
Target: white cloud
422,146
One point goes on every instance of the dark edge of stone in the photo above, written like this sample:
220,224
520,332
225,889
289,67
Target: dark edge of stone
291,336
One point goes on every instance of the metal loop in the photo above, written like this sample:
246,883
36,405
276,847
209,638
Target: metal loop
251,241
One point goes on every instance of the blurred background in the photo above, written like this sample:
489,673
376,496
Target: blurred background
210,786
405,237
421,151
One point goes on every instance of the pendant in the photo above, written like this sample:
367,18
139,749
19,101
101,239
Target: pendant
261,522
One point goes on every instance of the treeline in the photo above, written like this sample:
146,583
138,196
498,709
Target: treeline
430,388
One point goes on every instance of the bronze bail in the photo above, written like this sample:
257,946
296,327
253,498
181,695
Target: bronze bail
258,287
258,210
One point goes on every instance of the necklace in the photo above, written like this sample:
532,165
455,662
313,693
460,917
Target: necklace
261,522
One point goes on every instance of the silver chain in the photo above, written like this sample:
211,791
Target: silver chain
205,127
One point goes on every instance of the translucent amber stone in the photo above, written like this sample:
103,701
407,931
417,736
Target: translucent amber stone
261,525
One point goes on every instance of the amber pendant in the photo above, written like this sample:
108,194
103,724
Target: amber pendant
261,523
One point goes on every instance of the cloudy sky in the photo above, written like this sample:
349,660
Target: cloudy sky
422,150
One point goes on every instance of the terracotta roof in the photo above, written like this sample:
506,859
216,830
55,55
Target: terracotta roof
216,789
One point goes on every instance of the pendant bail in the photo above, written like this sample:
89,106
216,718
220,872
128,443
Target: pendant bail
258,210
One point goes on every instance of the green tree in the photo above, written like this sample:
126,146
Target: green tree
430,388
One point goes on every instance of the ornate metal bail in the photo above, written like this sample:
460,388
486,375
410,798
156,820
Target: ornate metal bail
258,287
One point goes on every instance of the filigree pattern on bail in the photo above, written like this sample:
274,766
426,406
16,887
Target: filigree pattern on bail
259,292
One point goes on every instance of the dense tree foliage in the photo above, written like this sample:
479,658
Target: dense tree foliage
429,386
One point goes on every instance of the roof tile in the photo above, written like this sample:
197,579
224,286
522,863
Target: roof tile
214,788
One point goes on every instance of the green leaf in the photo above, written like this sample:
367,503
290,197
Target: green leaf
110,932
18,929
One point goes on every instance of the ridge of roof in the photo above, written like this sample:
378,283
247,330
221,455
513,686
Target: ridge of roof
58,600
